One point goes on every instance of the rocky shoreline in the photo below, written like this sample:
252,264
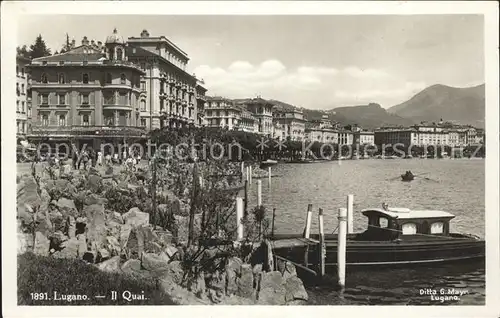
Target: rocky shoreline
66,214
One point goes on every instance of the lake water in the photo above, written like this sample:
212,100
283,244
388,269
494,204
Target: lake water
456,186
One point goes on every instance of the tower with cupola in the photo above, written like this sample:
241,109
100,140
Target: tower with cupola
115,47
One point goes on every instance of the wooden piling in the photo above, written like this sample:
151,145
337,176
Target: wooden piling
245,206
259,192
307,229
350,214
269,175
250,175
342,247
322,245
242,170
239,217
272,224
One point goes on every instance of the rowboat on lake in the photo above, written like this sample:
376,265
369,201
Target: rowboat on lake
268,163
394,237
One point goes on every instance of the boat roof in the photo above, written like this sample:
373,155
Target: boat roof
404,213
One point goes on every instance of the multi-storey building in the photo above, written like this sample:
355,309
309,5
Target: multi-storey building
262,110
345,137
222,112
88,95
200,103
292,123
23,96
364,137
247,123
170,97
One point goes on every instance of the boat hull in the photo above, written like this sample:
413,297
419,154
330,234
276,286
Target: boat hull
389,253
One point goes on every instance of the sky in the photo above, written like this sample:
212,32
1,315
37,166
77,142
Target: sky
317,62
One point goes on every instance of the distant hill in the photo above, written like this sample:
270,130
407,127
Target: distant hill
459,105
367,116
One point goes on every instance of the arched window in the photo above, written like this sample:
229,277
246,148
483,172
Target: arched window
85,78
62,79
44,78
109,78
62,120
85,120
437,228
123,79
409,229
119,54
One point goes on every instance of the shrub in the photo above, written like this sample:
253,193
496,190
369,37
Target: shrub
37,274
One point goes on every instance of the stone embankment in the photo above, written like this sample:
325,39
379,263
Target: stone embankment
66,217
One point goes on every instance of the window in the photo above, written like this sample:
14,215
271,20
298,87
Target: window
85,120
17,106
61,78
109,78
45,99
85,99
119,54
123,79
143,122
45,120
62,120
17,89
383,222
17,69
23,125
143,66
143,86
44,78
85,78
437,228
409,229
109,99
17,123
143,105
62,99
22,71
22,89
22,107
29,111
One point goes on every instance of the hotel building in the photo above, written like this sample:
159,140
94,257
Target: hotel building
23,97
222,112
262,110
292,123
88,95
171,95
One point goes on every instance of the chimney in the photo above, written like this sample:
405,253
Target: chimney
92,43
73,43
144,34
99,44
85,41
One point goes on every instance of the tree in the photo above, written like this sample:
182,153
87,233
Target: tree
23,51
39,48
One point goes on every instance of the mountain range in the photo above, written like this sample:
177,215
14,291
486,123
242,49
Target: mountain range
459,105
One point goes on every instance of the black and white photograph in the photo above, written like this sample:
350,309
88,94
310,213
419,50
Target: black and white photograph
250,154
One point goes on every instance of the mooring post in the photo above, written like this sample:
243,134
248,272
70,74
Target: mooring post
242,170
239,217
259,192
269,174
245,207
307,230
350,214
250,175
272,226
322,245
342,246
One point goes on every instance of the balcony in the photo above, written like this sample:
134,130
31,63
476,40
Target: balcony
184,87
178,84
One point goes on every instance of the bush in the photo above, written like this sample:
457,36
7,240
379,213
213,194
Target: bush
36,274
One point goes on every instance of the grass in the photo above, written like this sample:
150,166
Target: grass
46,275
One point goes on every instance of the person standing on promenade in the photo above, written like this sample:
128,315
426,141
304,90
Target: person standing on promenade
74,157
85,159
99,158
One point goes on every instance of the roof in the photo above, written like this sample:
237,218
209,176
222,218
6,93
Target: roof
403,213
115,38
71,57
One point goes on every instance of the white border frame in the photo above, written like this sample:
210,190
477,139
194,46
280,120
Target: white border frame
9,20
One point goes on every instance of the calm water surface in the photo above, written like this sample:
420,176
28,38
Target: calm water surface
457,186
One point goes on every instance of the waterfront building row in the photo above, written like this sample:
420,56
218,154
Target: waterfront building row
425,134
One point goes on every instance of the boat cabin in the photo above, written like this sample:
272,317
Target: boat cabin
402,223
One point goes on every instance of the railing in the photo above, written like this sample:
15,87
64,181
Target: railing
87,130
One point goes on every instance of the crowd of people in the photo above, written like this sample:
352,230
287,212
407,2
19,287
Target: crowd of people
91,158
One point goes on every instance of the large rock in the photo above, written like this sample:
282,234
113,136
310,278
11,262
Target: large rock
82,245
174,273
96,226
69,249
245,282
67,207
136,218
155,262
42,244
111,265
294,290
197,285
233,270
113,245
28,199
288,271
272,290
133,267
24,242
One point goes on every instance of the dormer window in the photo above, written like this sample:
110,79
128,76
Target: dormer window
62,79
44,78
123,79
85,78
